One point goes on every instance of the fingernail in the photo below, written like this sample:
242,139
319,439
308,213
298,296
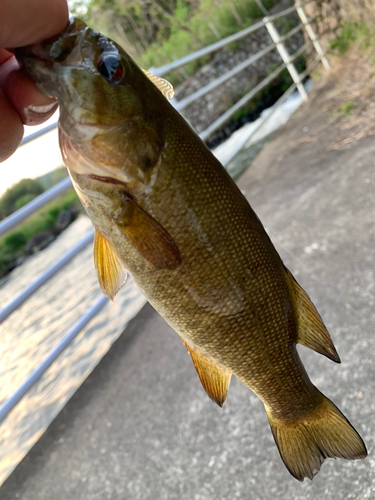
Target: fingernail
36,114
46,108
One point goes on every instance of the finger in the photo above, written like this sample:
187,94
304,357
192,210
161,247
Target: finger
4,55
23,22
11,129
30,103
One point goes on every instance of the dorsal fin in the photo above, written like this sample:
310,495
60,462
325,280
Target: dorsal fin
164,86
214,379
311,331
110,270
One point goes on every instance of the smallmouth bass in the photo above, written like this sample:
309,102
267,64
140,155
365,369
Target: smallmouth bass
166,210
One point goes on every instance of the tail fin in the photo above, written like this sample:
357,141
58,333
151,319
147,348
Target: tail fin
304,443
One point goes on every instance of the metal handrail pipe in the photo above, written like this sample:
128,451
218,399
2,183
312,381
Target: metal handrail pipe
295,30
23,213
291,32
162,70
275,107
222,79
298,52
239,104
36,374
38,133
285,56
285,12
180,105
312,65
43,277
307,22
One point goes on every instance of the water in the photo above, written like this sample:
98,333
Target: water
29,334
254,145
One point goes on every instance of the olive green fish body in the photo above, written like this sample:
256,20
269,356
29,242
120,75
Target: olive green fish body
166,210
230,278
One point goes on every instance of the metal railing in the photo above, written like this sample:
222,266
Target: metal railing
288,59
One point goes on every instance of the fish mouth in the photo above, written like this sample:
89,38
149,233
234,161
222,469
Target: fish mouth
39,69
57,48
39,60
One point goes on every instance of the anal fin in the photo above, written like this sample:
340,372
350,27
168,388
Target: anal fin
110,270
312,332
215,380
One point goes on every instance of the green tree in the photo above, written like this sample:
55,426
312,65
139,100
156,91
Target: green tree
15,242
24,200
9,201
136,24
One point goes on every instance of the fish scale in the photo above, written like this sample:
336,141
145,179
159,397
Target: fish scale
166,210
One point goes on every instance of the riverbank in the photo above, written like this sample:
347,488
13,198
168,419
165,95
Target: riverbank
141,426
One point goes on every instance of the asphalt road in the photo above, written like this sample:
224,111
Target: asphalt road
141,426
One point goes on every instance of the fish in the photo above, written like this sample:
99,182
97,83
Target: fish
167,212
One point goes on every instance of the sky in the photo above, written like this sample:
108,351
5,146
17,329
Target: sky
35,158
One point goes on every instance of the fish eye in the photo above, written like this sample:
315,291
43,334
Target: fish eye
111,67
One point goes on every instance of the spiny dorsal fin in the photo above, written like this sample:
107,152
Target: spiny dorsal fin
311,330
110,270
163,85
214,379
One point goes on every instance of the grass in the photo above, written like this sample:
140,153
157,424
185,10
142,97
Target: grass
348,108
180,43
353,33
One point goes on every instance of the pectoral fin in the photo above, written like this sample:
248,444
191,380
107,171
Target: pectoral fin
110,270
214,379
312,332
149,238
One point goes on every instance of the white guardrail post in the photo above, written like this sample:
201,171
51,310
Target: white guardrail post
312,36
285,57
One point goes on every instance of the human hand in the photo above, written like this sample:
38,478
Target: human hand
23,22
